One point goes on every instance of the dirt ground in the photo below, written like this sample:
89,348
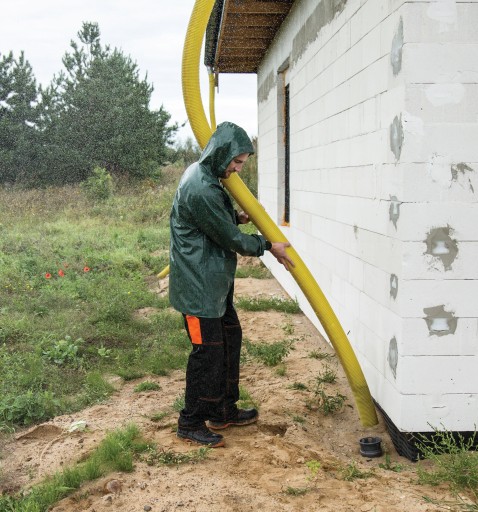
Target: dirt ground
262,467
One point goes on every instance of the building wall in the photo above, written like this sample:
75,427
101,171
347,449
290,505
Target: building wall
384,187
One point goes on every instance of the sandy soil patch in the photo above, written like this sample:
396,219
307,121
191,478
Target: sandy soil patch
260,464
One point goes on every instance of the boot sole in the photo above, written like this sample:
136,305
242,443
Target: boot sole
220,426
219,444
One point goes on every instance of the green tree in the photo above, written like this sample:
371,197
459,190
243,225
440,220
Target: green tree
96,113
19,115
186,152
249,171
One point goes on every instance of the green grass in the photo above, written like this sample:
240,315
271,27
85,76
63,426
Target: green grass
158,416
72,275
246,401
147,386
179,403
268,304
256,272
115,453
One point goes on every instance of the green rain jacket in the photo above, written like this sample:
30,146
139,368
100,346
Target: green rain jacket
204,233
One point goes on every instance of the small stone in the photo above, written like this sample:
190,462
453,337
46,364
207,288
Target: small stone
146,508
112,487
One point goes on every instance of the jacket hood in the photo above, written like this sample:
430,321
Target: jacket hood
228,141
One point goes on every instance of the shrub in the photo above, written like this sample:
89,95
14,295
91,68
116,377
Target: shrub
99,186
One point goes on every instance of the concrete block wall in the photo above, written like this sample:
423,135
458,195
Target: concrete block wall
384,190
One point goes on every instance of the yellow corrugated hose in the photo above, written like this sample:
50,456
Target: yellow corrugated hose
202,131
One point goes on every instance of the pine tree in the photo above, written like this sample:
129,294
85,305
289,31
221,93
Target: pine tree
96,113
19,115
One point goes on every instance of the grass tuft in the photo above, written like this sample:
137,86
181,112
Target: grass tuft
161,457
268,304
270,354
147,386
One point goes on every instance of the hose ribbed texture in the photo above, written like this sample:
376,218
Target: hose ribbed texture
190,70
305,280
212,107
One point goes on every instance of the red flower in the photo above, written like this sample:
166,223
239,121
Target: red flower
86,269
61,273
48,275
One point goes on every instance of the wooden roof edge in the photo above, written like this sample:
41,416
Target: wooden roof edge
214,37
212,34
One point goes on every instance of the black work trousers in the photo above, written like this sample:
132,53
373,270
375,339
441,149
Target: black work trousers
212,374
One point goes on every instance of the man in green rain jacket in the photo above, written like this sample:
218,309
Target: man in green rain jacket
204,241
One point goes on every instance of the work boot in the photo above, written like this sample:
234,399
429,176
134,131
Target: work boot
239,418
201,435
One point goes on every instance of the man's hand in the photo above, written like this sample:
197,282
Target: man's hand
243,218
278,251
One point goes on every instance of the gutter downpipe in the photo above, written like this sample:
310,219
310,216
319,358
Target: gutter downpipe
202,131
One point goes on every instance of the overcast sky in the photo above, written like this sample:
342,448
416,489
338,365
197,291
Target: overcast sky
151,32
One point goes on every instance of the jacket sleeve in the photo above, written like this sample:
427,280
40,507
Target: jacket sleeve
215,221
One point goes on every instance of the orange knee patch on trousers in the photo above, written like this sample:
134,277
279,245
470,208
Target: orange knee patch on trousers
194,328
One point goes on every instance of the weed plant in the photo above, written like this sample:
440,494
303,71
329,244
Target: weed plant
454,461
389,465
298,386
329,404
314,466
288,328
351,472
327,376
270,354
